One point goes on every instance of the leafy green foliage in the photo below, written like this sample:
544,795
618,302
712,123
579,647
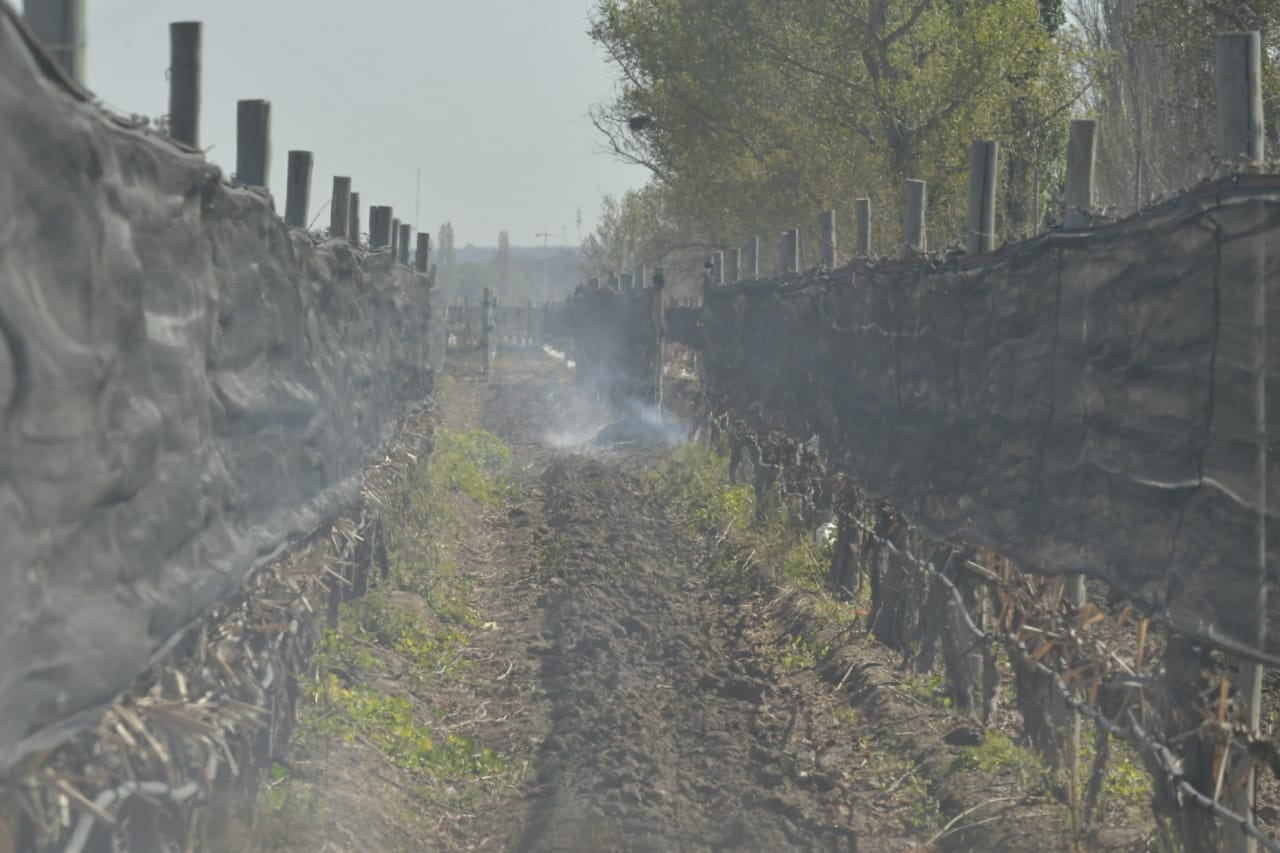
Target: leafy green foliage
763,112
999,754
926,688
356,712
470,462
422,644
375,622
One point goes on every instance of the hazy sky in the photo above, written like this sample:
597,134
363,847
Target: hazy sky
490,97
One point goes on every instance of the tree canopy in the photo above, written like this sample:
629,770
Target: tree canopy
752,116
759,113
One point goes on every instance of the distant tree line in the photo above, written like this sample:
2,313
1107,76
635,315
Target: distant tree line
753,115
517,276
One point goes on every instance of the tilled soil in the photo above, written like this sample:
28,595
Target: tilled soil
646,703
661,739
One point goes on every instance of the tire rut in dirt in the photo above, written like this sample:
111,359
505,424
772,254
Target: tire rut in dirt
660,740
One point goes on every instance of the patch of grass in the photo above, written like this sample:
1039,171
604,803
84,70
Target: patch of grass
375,622
926,688
697,480
471,462
357,713
1126,784
904,789
805,566
377,633
847,716
551,558
924,812
754,551
289,811
999,755
796,655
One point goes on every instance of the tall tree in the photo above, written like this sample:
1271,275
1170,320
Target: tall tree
1152,67
755,114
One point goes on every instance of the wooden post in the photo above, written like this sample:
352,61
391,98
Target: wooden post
340,208
752,268
379,227
789,251
1239,89
913,207
406,233
184,82
60,26
1240,137
253,142
983,154
827,239
1082,149
395,238
353,225
423,253
717,269
297,197
863,206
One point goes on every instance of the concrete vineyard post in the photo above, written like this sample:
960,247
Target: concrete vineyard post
717,269
732,265
658,308
1082,148
184,82
789,251
751,269
486,325
423,253
340,208
1238,81
913,208
642,277
1078,197
827,239
253,142
863,206
395,238
628,282
353,225
298,189
379,227
406,233
60,26
983,155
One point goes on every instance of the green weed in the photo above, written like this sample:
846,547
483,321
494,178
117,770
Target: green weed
358,712
926,688
998,754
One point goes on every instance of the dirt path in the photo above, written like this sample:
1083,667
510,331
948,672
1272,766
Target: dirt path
655,737
636,706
